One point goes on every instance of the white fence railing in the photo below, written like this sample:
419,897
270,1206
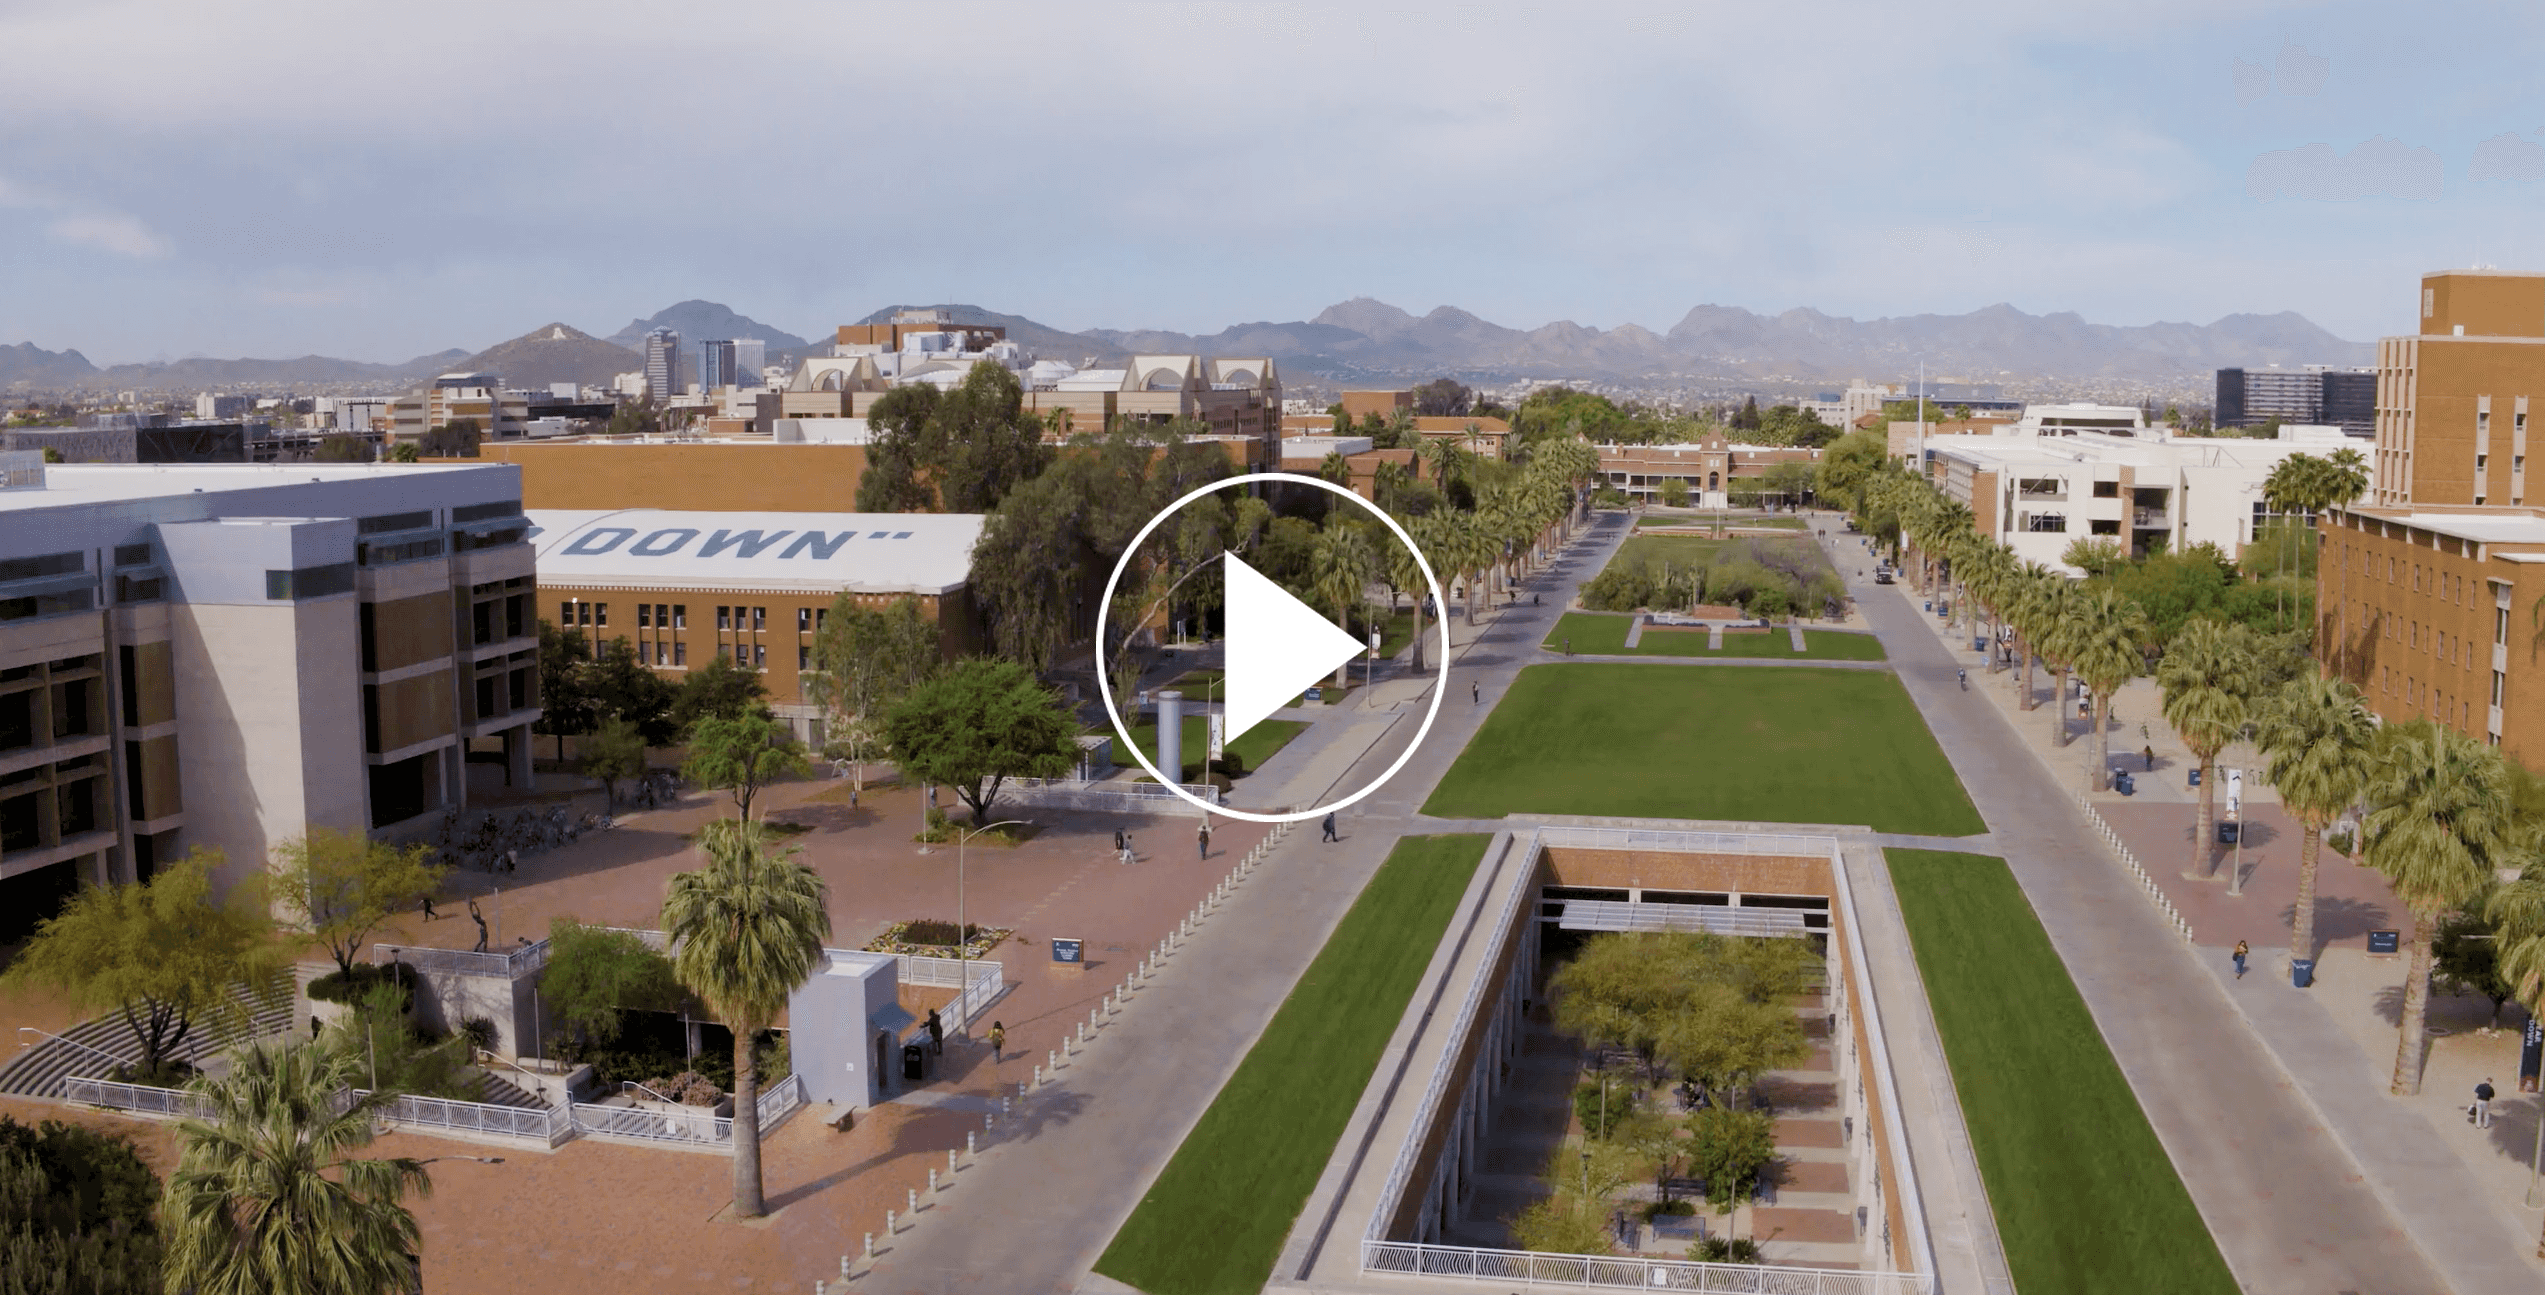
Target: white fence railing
520,961
1719,919
690,1126
2130,860
1637,838
778,1101
1404,1258
441,1114
140,1099
1069,793
982,983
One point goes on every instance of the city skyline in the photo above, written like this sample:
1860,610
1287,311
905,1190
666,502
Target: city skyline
2170,162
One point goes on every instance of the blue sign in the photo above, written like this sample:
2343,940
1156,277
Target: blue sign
2531,1055
2385,941
1066,950
669,542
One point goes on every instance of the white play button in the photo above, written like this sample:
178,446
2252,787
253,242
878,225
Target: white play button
1276,647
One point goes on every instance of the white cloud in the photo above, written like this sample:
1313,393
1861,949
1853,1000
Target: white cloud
2507,156
2253,82
110,232
2377,168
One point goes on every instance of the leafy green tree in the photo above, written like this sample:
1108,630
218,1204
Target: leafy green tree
865,659
619,686
1443,398
741,755
2466,953
566,704
594,974
1674,492
266,1198
979,724
2095,555
77,1212
405,452
164,953
2207,677
616,754
2438,825
2517,914
1728,1148
745,930
340,886
961,452
1337,469
342,447
2316,733
636,417
394,1055
718,689
1850,463
456,439
901,448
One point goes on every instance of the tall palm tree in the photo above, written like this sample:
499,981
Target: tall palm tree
2316,733
746,930
1339,570
2032,600
2106,655
2439,817
2062,612
266,1200
2517,914
1404,572
2206,675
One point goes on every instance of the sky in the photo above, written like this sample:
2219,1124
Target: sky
380,181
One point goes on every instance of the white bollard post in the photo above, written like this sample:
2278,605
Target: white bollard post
967,1141
914,1194
968,1148
870,1245
1038,1076
932,1180
890,1226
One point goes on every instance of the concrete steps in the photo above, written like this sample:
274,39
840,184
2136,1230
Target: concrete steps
92,1048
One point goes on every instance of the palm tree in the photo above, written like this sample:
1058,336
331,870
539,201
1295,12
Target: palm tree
2032,600
1404,572
1339,571
265,1199
2061,616
2206,675
745,931
2440,816
2106,655
2316,733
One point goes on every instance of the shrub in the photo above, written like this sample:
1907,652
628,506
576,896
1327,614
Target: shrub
689,1088
1725,1250
932,931
1587,1102
338,987
2339,843
479,1032
77,1211
1231,763
1727,1149
170,1073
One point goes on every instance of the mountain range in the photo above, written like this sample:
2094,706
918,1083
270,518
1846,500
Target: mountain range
1363,339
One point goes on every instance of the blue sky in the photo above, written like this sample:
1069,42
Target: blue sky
376,181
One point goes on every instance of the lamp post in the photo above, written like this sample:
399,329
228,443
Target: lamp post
962,935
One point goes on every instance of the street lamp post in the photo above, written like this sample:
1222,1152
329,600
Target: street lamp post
962,933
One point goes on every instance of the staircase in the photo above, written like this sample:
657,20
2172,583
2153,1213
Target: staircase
499,1092
91,1048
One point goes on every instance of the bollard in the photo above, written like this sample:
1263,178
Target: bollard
889,1226
821,1287
1038,1076
932,1180
914,1195
870,1245
967,1141
968,1148
870,1253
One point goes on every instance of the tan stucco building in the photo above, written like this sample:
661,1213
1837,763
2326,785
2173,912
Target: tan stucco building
2453,399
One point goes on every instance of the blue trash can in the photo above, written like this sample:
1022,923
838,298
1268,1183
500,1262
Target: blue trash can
2302,972
1978,644
2228,831
2124,784
2195,777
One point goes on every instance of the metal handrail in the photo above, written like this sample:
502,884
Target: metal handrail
626,1084
29,1029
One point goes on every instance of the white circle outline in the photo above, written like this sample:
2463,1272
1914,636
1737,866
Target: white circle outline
1440,600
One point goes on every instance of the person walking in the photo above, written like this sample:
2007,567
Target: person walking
429,914
480,919
1475,693
1127,855
1205,837
2243,951
936,1032
2149,755
1117,842
998,1041
1329,830
2482,1111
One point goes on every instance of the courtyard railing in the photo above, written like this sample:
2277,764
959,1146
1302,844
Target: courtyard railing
513,964
1410,1260
472,1119
139,1099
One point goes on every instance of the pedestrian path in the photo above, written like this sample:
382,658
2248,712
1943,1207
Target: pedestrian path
2280,1194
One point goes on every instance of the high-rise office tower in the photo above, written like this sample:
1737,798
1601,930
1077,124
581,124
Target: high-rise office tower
662,364
750,355
716,365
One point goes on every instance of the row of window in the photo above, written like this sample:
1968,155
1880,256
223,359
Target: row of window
675,616
672,655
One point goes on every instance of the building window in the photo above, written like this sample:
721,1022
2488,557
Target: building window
2107,489
2046,523
662,616
680,616
724,616
803,620
645,616
803,658
680,655
601,615
759,619
2500,624
759,657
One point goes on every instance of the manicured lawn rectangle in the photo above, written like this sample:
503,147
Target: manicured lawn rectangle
1604,634
2085,1198
1215,1219
1708,519
1769,743
1252,747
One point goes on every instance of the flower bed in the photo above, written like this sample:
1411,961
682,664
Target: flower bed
935,939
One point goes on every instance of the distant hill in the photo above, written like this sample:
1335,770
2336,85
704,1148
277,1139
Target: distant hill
1366,335
553,353
28,363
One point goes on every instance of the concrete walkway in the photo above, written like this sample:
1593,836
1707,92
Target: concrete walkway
2285,1201
1039,1207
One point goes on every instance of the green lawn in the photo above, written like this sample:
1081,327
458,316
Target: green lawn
1780,745
1604,634
1252,747
1708,519
1215,1219
2085,1198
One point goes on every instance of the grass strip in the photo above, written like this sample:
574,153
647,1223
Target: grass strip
1214,1221
1604,634
2085,1197
1769,743
1252,747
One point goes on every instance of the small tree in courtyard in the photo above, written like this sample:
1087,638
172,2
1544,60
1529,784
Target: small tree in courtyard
340,886
978,725
741,755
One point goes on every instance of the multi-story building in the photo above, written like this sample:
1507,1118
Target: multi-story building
213,406
1707,468
716,360
231,655
2315,395
662,364
2453,399
752,587
750,362
477,397
2428,611
2039,494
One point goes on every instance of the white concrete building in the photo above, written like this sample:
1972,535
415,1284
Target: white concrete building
2042,493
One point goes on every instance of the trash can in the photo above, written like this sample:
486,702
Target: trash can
2302,972
1978,643
2122,783
914,1062
2228,831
